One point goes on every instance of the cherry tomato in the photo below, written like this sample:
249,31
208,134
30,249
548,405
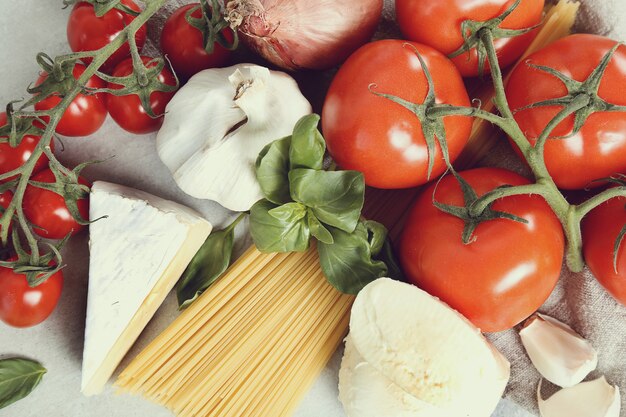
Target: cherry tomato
88,32
601,228
381,138
128,112
507,271
438,23
24,306
47,211
598,150
183,44
13,158
5,200
85,114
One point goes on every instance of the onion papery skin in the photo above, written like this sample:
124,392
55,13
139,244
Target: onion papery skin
305,34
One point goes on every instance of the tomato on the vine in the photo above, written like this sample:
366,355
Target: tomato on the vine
128,111
13,158
383,139
88,32
47,210
25,306
5,199
600,229
85,114
598,150
183,44
508,269
438,23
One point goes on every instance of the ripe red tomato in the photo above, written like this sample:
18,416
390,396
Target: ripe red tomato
598,150
88,32
85,114
506,273
381,138
600,230
128,112
183,44
13,158
47,211
438,23
5,200
23,306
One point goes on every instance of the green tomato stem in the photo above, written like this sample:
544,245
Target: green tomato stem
26,171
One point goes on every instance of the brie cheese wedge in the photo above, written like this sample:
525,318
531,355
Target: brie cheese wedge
139,249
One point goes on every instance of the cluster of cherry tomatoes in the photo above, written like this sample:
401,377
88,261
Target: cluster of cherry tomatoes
183,44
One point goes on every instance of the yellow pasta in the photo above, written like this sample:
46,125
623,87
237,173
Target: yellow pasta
255,341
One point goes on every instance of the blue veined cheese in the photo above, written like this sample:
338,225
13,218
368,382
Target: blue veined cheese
137,254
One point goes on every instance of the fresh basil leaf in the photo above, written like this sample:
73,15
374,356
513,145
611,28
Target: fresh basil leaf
347,263
18,378
307,144
336,197
288,213
272,168
318,230
208,264
376,235
270,234
388,256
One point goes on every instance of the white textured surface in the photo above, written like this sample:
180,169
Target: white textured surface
132,245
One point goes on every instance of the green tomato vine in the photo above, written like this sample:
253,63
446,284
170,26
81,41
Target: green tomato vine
35,262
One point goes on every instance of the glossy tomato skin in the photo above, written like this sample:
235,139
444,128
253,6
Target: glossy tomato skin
23,306
88,32
85,114
47,211
505,274
438,23
378,137
13,158
600,230
598,150
128,112
183,44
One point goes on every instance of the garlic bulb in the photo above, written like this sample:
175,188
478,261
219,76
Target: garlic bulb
589,399
216,125
410,352
560,354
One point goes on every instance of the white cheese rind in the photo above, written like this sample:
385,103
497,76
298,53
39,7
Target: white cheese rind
138,252
428,349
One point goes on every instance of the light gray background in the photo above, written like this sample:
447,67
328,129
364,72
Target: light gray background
30,26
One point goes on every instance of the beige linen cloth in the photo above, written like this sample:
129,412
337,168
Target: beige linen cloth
578,299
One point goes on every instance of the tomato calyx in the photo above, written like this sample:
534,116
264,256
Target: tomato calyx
577,91
143,81
37,269
471,32
102,7
211,25
17,127
468,214
433,128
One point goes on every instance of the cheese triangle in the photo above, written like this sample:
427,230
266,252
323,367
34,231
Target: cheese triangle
137,254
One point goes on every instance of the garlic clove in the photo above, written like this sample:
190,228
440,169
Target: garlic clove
589,399
560,354
428,349
216,125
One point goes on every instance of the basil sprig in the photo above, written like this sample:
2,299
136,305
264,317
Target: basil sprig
304,201
18,378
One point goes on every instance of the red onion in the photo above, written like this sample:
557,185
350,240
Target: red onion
312,34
